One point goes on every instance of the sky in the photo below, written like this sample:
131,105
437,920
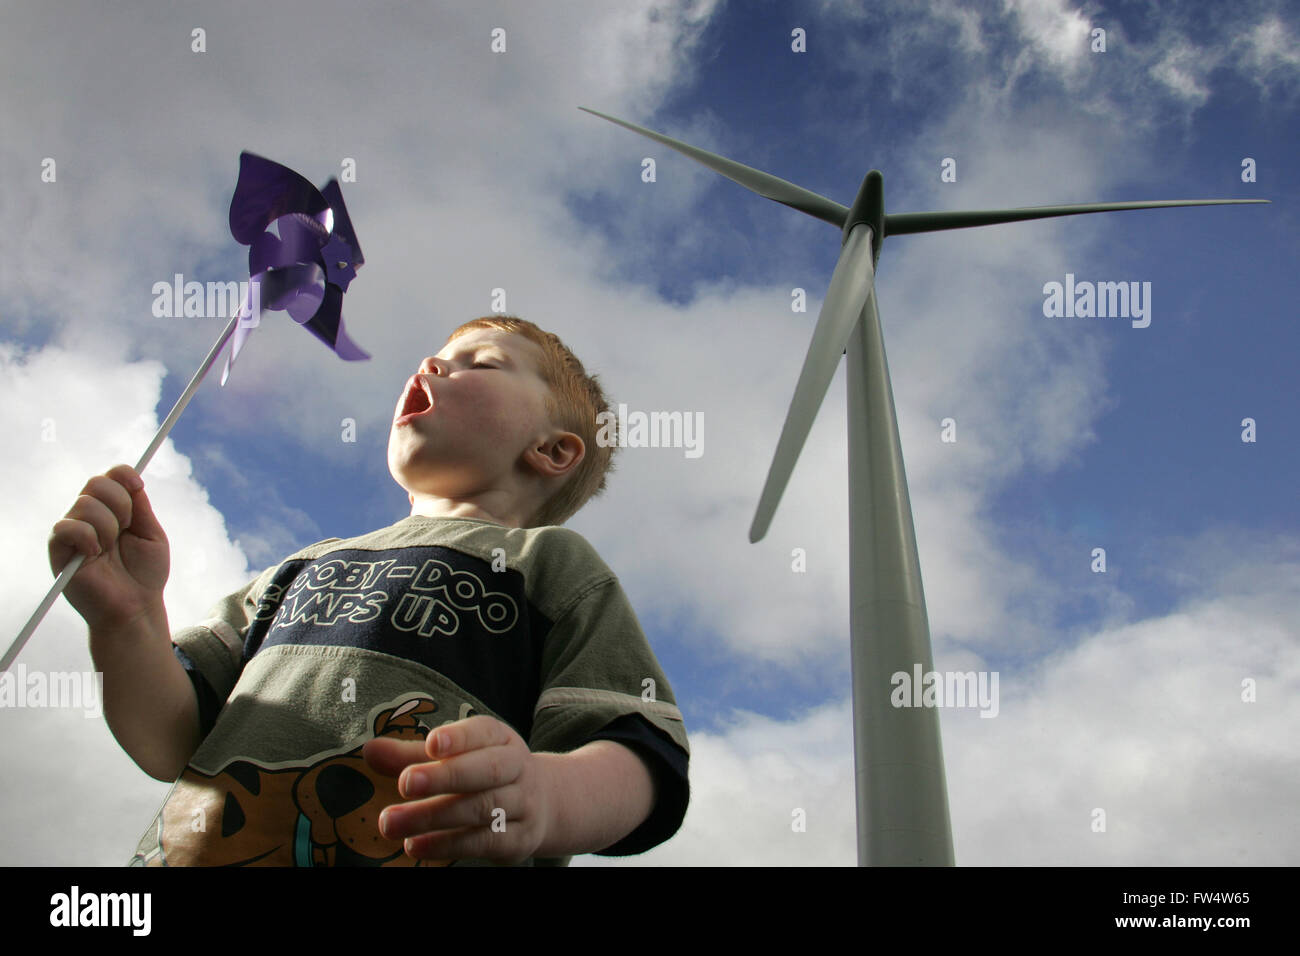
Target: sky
1162,691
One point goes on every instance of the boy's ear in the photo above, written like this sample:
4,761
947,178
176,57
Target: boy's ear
557,456
412,499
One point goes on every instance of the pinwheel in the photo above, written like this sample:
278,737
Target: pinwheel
303,268
902,799
307,267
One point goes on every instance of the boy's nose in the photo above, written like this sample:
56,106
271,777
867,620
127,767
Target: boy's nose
430,366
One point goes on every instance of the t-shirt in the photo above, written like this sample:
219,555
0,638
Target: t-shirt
393,633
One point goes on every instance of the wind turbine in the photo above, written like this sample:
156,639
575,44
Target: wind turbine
902,796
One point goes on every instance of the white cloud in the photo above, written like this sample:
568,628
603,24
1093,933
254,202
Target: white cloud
1270,50
73,797
747,784
1182,68
1059,32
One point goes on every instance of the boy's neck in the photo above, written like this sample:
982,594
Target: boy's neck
446,508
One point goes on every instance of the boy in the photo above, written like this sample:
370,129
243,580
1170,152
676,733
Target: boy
468,685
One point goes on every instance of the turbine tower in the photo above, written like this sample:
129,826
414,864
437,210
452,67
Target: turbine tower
902,795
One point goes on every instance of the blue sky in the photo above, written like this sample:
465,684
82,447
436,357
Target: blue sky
476,171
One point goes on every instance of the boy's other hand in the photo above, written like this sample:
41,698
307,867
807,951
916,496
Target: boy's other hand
127,555
484,794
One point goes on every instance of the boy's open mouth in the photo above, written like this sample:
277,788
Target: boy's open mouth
417,401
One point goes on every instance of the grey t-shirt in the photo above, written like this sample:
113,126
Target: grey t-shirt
391,634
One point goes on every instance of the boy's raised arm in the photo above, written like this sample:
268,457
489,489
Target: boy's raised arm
149,702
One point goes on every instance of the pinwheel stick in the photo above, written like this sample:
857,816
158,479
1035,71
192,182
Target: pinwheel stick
70,569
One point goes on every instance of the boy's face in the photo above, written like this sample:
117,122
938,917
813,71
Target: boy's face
465,420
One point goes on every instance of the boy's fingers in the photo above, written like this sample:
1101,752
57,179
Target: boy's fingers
472,733
127,477
483,759
484,769
390,757
144,523
441,814
111,493
105,505
91,512
68,538
139,516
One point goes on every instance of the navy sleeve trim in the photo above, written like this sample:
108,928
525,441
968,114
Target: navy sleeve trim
208,703
667,763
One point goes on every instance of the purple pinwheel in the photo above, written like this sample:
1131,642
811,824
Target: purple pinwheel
304,267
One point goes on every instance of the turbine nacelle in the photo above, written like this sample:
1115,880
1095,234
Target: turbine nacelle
869,207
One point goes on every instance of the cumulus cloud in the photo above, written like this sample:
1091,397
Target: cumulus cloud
1165,742
71,792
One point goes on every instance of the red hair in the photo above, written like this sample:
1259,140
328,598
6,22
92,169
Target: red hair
574,403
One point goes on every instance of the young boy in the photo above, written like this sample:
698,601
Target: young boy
469,685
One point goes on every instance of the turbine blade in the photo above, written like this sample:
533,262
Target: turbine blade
851,284
765,184
900,224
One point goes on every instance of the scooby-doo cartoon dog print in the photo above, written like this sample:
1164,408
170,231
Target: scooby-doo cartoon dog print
323,814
